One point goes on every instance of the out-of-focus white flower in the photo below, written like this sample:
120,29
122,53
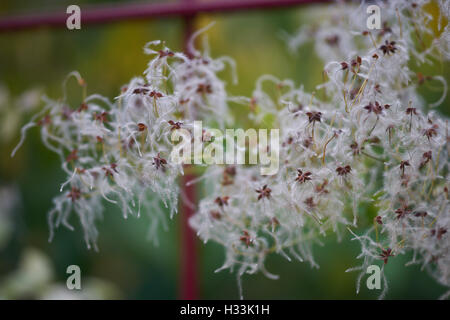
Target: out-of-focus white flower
34,272
13,110
35,278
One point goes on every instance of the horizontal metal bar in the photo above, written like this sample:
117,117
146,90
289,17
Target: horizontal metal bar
96,15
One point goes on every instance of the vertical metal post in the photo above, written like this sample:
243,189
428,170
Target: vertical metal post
188,247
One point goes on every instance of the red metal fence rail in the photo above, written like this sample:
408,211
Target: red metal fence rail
111,13
187,9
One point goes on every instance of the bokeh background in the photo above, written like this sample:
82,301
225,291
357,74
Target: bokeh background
128,265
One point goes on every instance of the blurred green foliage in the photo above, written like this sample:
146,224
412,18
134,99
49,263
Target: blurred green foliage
107,56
